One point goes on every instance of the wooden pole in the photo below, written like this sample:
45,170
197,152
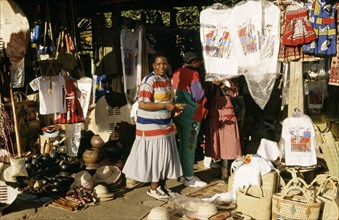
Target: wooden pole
296,88
15,122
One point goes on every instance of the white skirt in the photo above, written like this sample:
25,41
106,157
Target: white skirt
153,160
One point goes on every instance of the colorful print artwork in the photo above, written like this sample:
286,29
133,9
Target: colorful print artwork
248,36
300,140
217,42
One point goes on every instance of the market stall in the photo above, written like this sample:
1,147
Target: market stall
66,132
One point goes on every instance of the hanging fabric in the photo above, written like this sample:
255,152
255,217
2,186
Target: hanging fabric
217,43
298,29
298,140
74,112
5,135
50,93
334,71
324,25
255,29
131,55
15,35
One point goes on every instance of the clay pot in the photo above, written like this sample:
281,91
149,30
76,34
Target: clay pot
96,141
91,155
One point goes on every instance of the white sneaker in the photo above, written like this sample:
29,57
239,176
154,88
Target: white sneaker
192,181
167,191
158,193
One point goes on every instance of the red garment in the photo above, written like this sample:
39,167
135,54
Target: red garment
290,53
74,113
222,139
298,29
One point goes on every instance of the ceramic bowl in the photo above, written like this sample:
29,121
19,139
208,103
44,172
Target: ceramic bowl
96,141
91,155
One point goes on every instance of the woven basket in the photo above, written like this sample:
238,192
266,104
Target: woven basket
269,182
254,202
326,188
296,206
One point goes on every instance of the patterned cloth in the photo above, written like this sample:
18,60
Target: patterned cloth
188,90
74,113
155,124
222,133
324,25
290,53
298,29
154,153
334,71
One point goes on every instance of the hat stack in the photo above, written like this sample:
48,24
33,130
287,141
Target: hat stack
101,192
107,174
84,179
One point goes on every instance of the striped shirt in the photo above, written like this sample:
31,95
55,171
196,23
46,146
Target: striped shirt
155,124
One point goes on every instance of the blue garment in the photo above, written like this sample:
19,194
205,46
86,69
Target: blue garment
324,25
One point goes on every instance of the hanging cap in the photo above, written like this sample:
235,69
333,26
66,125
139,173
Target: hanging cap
191,56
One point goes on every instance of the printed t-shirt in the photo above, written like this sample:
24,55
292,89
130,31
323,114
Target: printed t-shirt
50,93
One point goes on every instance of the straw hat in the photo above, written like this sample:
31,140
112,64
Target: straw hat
107,174
6,173
102,193
84,179
158,213
206,209
92,166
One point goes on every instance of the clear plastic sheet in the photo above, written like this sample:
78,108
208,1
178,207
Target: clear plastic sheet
260,86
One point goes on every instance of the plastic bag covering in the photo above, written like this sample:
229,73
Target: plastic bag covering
73,135
257,46
260,86
131,54
18,74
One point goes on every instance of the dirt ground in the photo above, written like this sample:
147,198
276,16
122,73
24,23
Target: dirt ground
128,204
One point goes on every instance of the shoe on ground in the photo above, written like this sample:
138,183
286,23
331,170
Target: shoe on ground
168,191
158,193
192,181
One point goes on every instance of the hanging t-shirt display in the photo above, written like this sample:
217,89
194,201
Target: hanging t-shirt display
131,55
261,77
246,25
269,45
324,25
71,95
299,141
50,93
85,87
217,44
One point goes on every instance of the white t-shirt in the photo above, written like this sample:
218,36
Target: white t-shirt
217,44
299,141
51,91
270,38
246,28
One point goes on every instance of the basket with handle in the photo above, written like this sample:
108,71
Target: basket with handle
291,205
326,190
253,201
